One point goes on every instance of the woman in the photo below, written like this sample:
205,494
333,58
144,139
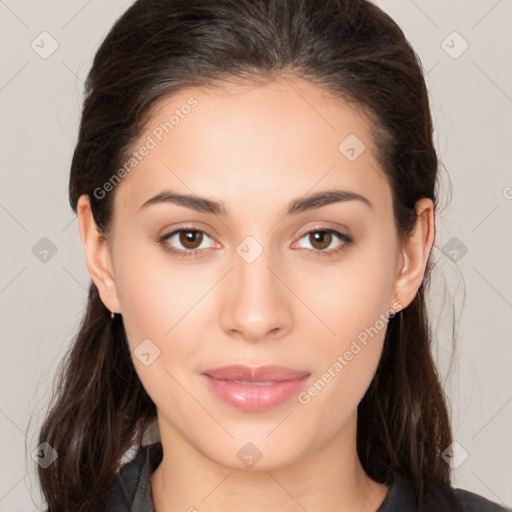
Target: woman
255,183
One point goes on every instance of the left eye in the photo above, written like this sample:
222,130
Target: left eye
321,239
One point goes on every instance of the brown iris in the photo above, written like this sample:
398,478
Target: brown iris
191,239
324,238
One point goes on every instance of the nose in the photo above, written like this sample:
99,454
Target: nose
258,303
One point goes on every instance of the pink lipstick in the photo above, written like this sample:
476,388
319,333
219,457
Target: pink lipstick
255,388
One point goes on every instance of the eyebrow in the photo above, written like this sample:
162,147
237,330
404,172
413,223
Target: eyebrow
302,204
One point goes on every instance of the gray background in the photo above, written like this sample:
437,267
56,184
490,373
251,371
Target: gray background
42,295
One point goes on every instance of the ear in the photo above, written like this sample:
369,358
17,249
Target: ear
97,255
415,252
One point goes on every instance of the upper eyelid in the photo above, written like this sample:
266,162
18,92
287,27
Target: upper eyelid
323,228
302,233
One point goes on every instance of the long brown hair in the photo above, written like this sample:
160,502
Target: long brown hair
348,47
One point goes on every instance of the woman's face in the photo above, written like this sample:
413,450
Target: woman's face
255,288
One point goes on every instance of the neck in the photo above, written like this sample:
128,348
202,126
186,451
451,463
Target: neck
328,479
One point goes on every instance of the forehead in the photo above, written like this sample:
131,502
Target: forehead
254,144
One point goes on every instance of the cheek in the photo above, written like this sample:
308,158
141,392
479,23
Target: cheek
350,297
155,293
143,301
346,363
157,299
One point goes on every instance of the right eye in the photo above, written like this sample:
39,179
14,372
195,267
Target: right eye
190,239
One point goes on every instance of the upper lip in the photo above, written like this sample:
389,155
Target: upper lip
255,374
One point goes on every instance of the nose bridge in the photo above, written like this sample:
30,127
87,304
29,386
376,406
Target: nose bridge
257,302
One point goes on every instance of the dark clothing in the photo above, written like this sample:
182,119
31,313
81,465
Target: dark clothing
132,492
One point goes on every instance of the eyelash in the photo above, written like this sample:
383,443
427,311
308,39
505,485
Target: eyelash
347,240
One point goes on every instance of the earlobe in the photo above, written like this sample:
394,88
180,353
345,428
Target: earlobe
415,252
97,255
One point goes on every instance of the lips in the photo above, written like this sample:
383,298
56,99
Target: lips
255,388
240,372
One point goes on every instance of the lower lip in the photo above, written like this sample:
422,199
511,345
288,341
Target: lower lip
251,397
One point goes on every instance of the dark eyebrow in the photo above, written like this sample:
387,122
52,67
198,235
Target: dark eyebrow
310,202
323,199
201,204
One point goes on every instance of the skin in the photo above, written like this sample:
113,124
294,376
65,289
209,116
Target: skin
256,148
